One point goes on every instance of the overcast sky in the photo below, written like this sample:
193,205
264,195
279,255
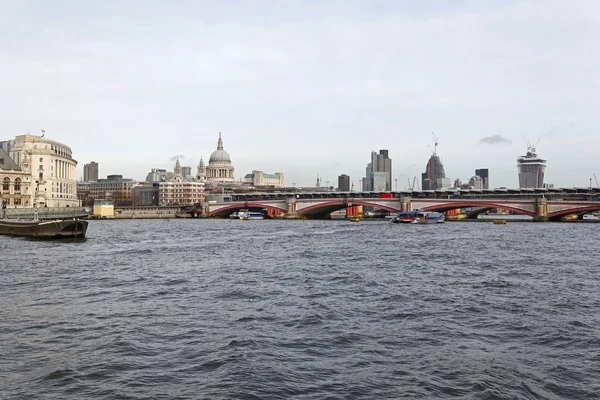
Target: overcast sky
308,87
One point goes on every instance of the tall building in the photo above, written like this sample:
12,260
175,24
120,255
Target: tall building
51,167
483,173
378,174
186,172
344,183
531,169
90,172
220,168
434,176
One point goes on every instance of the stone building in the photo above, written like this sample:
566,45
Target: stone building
220,169
259,178
15,182
180,192
52,169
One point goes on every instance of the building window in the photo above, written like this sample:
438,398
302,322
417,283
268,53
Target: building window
18,185
41,175
41,167
5,183
41,159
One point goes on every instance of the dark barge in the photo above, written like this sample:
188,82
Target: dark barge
73,228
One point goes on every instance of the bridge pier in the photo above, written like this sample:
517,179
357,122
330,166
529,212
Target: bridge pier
541,210
405,203
291,208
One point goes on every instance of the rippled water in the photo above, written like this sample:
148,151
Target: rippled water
220,309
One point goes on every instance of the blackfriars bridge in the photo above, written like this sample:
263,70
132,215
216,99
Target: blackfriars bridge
541,204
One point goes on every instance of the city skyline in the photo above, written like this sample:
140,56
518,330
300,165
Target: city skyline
309,89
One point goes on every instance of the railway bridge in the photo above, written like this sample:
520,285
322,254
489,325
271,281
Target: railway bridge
295,206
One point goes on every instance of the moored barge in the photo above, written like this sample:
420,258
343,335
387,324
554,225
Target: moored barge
73,228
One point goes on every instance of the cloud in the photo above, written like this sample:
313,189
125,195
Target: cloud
178,156
495,139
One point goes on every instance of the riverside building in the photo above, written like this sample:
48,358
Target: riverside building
114,187
15,183
52,169
180,190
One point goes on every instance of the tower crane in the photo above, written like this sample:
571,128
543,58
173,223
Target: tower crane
596,178
435,144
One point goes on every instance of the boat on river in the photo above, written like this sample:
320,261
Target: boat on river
250,215
73,228
418,217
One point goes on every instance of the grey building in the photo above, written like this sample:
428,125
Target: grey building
382,164
186,172
531,169
90,172
145,195
434,176
159,175
344,183
484,174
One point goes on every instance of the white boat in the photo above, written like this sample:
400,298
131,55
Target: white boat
418,217
235,215
250,215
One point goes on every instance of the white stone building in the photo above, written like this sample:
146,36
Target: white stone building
259,178
220,169
180,190
52,170
15,183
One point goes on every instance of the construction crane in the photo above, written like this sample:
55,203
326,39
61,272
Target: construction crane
596,178
435,144
412,187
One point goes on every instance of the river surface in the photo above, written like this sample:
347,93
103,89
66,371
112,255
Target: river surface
222,309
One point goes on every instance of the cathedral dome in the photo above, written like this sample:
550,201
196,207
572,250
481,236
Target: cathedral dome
219,155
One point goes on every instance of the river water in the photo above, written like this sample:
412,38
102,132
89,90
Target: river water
221,309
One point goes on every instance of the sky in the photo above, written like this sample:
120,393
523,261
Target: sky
308,87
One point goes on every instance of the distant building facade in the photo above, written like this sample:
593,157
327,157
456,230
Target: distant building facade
485,176
51,167
84,193
180,192
378,174
145,194
159,175
476,182
186,172
15,183
114,187
344,183
90,172
259,178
